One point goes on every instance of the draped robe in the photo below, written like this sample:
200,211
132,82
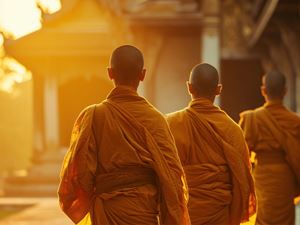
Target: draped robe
215,158
113,143
273,133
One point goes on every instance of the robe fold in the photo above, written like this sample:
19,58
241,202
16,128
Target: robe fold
273,133
122,166
216,161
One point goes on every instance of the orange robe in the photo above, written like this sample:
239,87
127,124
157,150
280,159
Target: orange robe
273,133
215,158
105,179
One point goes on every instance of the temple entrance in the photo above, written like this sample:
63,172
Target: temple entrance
241,79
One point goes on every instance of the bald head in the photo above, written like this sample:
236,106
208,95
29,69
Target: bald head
127,63
275,84
204,79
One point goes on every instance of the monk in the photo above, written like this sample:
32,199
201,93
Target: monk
122,167
273,133
214,155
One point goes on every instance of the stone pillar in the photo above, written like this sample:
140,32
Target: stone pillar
151,42
291,42
42,177
298,93
210,43
38,115
51,116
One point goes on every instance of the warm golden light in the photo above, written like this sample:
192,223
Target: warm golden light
1,40
20,17
50,6
12,73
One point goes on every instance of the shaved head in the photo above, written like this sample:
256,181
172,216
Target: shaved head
275,84
204,79
127,63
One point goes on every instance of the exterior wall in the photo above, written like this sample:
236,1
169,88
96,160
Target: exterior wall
178,55
170,53
74,96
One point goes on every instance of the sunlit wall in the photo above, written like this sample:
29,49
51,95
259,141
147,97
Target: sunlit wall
17,18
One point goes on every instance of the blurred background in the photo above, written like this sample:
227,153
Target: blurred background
54,55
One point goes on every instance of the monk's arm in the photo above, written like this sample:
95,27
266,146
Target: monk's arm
88,166
249,129
179,134
237,140
176,183
79,167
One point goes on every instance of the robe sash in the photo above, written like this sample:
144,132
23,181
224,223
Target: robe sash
130,177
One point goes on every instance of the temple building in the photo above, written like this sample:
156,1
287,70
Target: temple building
259,36
68,58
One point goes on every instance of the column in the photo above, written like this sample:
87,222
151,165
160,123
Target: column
51,116
291,42
151,42
210,44
38,116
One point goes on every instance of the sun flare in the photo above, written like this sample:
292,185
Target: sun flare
18,18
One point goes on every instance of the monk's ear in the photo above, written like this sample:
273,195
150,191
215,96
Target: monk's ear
143,74
218,89
190,87
284,91
110,73
263,90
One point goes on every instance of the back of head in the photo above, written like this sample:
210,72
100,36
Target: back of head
127,62
275,84
204,78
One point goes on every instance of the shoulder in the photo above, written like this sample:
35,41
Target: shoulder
247,113
83,122
225,126
295,116
230,124
87,111
177,120
232,131
176,117
158,116
151,116
291,119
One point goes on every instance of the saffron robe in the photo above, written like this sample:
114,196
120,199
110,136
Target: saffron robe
123,131
273,133
216,161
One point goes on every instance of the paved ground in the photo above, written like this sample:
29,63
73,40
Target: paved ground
45,211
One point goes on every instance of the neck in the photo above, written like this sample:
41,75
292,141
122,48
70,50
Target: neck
130,86
210,98
274,100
